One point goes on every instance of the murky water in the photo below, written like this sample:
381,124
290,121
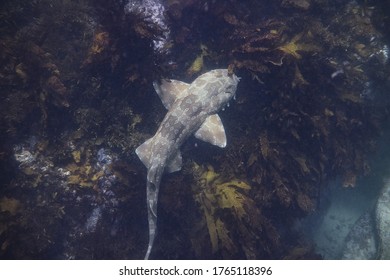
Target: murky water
305,171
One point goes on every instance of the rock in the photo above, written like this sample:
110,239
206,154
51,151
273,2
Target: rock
361,243
382,216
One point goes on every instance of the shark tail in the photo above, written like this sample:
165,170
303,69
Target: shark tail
152,219
152,189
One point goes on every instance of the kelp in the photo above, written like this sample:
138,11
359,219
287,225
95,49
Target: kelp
232,218
294,47
56,111
38,67
197,64
306,116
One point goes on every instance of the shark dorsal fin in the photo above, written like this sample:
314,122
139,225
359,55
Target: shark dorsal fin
175,163
170,90
212,131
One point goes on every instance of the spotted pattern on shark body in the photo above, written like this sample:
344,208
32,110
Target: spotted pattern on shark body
192,110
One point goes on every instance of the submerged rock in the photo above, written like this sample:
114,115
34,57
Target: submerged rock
369,238
93,219
382,217
361,243
155,11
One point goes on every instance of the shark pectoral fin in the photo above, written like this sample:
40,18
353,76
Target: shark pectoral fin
212,131
175,163
170,90
143,152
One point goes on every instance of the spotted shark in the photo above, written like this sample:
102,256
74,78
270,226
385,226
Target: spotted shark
192,109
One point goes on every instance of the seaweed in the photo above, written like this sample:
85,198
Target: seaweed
54,56
232,218
303,115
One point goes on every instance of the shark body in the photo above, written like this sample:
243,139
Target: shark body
192,109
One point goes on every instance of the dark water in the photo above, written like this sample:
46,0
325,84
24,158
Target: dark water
307,161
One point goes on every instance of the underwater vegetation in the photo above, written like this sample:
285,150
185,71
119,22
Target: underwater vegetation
312,76
77,98
231,216
60,128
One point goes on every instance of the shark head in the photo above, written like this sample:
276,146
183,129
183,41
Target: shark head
215,88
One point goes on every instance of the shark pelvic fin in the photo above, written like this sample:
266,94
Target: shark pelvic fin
143,152
212,131
170,90
175,163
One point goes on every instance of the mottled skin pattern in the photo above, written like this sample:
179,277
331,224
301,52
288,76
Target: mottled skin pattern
202,98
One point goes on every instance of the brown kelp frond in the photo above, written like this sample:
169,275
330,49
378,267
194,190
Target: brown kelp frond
232,218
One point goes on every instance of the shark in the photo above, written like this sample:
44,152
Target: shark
192,110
